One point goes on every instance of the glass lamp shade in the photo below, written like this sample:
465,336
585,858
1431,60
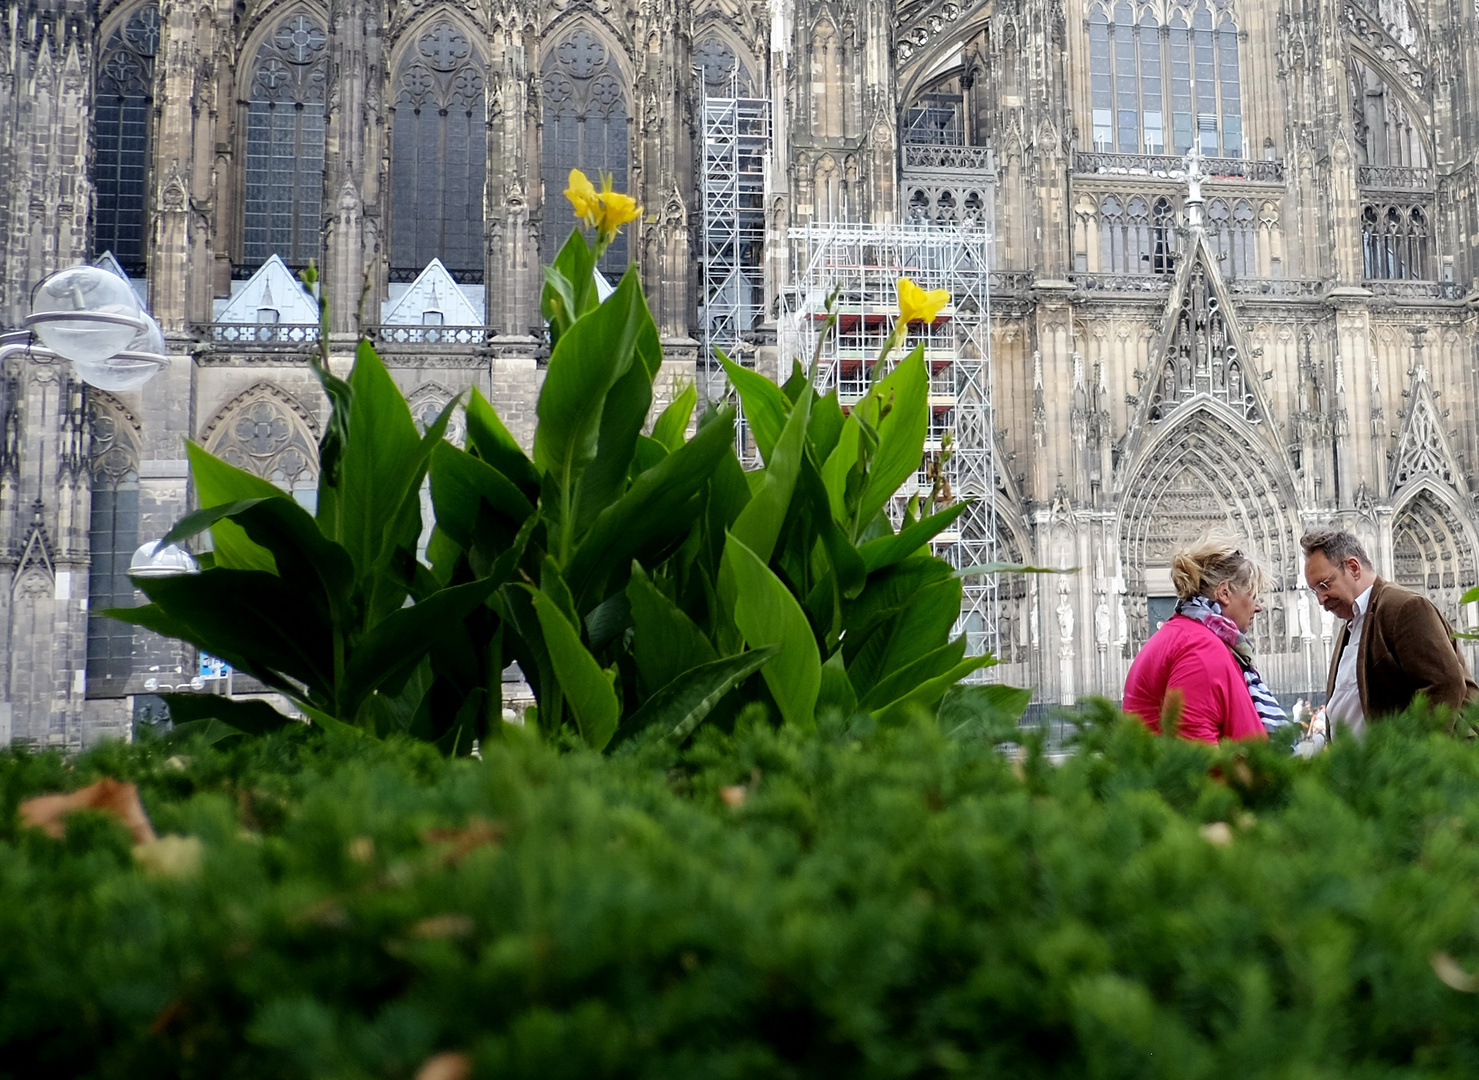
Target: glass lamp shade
85,314
168,561
131,368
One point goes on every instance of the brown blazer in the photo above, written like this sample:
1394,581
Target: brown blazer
1406,647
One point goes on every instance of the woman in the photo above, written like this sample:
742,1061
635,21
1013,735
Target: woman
1199,663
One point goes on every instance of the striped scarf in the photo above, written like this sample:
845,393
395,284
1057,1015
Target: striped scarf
1209,614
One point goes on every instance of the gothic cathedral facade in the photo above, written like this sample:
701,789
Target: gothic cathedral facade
1234,266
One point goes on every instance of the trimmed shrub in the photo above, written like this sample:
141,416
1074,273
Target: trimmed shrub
860,902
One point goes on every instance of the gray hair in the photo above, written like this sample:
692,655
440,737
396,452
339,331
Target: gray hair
1335,544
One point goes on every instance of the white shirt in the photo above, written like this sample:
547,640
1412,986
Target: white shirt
1344,707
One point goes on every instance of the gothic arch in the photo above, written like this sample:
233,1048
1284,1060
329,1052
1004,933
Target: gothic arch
1423,451
586,104
923,65
113,454
1206,468
438,147
122,127
267,432
752,81
608,35
259,26
427,401
1433,546
115,439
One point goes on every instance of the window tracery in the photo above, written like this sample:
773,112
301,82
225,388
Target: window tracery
286,122
1386,132
438,155
1420,448
113,536
123,112
1394,242
1157,89
724,74
263,432
1230,234
1137,234
585,127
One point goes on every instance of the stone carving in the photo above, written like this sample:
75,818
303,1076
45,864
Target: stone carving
1201,357
1422,449
266,432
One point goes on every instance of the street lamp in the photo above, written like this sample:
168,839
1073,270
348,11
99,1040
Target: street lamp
153,560
93,318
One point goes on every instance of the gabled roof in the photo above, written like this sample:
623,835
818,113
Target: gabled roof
433,290
272,286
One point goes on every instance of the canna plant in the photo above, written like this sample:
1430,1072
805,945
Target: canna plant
637,573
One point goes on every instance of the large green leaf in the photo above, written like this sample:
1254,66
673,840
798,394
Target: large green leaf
899,682
585,363
665,641
759,523
380,462
888,550
248,716
926,695
585,687
672,425
396,644
656,511
495,444
986,712
682,704
465,490
218,483
826,425
902,400
765,405
605,479
767,614
303,557
252,619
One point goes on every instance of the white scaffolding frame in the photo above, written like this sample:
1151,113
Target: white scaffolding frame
864,263
736,149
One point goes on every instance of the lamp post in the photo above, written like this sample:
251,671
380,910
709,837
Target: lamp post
92,318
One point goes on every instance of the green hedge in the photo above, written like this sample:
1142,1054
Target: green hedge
853,903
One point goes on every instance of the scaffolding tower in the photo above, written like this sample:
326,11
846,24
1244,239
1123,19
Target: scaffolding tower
736,146
864,263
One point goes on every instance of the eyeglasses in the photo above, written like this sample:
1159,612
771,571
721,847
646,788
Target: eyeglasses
1323,587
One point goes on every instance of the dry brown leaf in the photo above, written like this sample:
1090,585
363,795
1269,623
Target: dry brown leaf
443,926
478,832
1219,833
447,1066
362,849
734,795
46,812
171,856
1451,975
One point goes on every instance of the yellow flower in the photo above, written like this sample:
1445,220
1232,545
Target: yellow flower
916,305
583,197
616,210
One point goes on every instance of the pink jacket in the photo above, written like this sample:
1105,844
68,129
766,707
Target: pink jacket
1184,655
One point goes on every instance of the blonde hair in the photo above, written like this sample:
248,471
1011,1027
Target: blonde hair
1198,568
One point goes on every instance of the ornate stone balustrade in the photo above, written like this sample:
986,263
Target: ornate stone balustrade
418,335
1012,281
1144,284
1171,167
1395,177
957,159
1417,290
1293,287
260,335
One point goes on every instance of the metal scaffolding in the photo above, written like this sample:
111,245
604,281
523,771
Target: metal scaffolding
864,263
736,147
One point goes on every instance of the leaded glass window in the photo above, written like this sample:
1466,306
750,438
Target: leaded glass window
585,128
113,536
122,114
285,144
1156,90
438,152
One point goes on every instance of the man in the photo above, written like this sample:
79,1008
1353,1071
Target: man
1395,643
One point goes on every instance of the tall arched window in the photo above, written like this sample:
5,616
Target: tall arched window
1230,232
438,151
122,117
113,535
1394,241
285,144
1141,77
585,128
